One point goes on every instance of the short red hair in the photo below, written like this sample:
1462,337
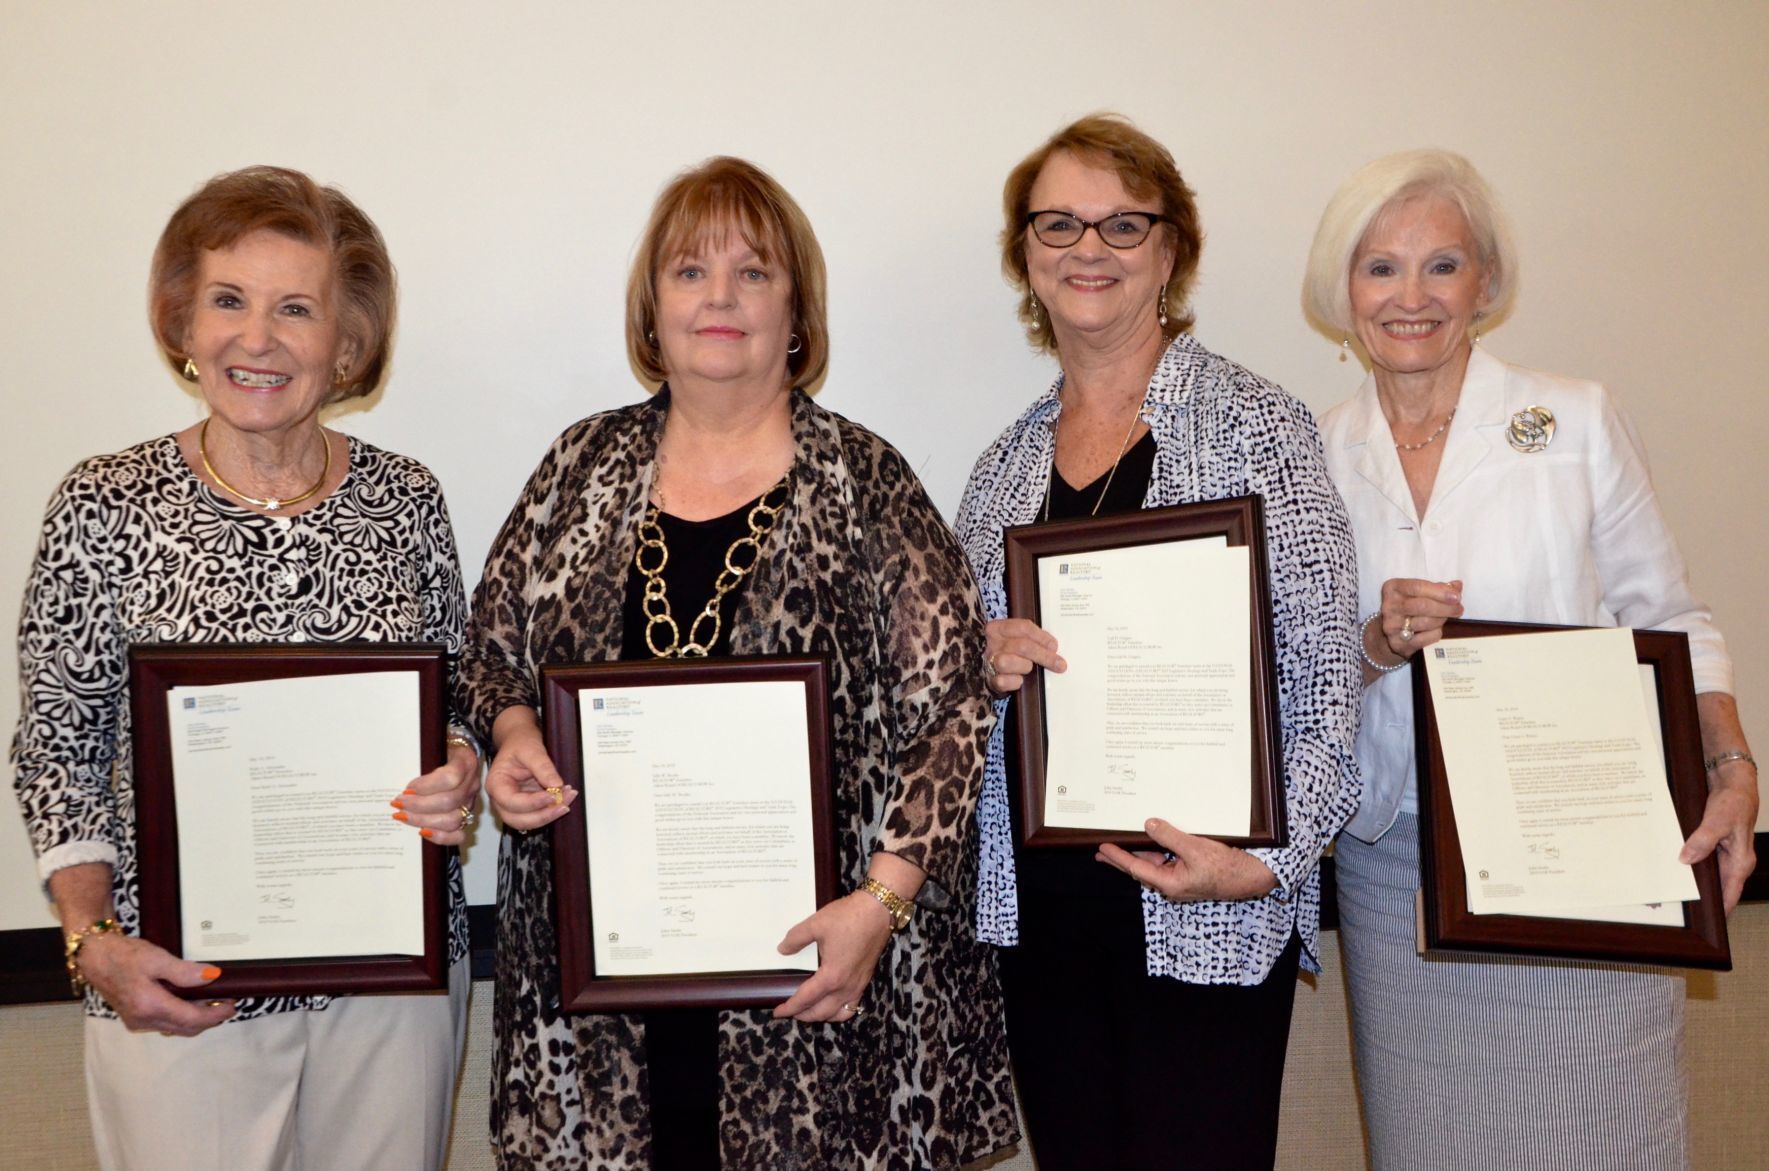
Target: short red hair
700,206
277,199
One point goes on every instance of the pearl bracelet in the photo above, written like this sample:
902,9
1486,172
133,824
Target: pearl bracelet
1362,632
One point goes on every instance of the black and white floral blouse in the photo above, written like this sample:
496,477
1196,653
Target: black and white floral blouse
136,549
1220,431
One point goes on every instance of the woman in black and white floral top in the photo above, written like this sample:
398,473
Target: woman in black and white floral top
276,297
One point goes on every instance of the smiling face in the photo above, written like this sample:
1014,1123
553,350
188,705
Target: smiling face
724,314
1091,291
264,332
1417,284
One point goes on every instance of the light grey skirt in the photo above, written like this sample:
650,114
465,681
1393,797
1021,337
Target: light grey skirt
1506,1063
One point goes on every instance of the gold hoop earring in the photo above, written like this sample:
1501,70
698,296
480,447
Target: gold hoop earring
190,369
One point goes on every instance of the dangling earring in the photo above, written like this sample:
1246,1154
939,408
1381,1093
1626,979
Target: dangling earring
1033,310
1344,346
1477,318
796,345
190,369
1163,308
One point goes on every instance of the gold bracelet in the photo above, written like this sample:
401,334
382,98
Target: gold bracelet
75,940
456,740
1714,762
899,908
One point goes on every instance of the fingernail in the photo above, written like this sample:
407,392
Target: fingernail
427,833
402,815
1152,823
407,791
395,802
210,972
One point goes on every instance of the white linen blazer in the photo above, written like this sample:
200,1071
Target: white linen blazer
1571,535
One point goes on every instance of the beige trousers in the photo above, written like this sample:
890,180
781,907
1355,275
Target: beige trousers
366,1083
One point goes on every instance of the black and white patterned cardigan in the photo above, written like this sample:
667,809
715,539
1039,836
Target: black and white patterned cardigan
136,549
1220,431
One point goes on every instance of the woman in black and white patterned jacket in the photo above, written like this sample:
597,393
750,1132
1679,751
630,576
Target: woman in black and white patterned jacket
1150,1025
276,297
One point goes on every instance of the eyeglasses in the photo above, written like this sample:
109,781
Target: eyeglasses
1061,229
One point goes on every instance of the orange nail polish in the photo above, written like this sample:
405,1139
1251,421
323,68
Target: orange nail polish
395,802
402,815
407,791
427,833
211,972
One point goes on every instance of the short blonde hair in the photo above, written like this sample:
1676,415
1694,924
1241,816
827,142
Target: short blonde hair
1147,170
699,207
1385,184
277,199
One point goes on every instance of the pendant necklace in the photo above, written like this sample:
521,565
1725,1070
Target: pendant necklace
1135,418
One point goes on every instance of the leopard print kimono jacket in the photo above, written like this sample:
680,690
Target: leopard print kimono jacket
861,569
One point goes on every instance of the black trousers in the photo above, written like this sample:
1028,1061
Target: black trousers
1117,1068
682,1072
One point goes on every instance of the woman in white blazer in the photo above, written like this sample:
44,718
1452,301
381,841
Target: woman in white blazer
1485,490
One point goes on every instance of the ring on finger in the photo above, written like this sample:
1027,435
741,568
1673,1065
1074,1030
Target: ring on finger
557,792
1406,629
466,817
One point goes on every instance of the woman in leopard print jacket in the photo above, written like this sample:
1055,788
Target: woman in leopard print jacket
891,1055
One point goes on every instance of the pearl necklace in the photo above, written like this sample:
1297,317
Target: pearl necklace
1429,439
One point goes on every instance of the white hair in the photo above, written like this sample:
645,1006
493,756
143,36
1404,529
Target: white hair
1386,183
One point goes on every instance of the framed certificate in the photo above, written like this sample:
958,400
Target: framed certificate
701,833
1568,798
264,837
1169,704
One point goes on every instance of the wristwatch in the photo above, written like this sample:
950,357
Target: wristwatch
899,908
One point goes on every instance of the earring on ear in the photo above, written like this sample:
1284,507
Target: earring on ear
796,345
1163,308
651,336
340,373
1032,311
1344,346
190,369
1477,317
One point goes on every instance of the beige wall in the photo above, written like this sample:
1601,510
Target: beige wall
509,151
44,1103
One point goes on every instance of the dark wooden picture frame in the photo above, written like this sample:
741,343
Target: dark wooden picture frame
154,669
1239,520
1449,926
581,989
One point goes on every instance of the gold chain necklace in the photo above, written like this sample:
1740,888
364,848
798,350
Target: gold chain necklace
270,503
1429,439
656,603
1135,418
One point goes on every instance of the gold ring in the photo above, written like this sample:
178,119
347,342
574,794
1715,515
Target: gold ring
466,816
558,793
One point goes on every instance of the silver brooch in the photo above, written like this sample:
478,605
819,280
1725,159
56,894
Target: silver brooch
1531,430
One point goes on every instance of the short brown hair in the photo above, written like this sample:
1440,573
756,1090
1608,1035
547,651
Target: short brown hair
276,199
699,206
1147,171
